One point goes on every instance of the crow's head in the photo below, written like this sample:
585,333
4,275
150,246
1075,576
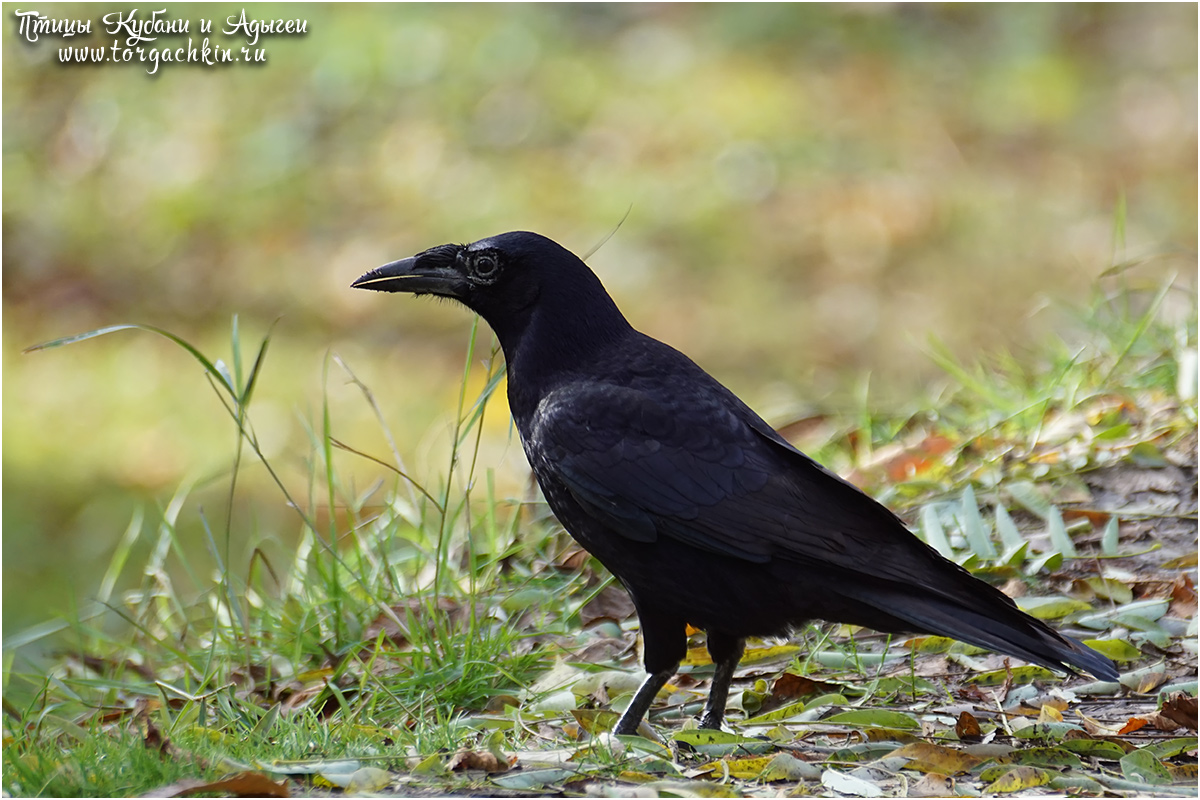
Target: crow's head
509,279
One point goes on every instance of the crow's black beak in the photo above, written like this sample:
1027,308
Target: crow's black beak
406,275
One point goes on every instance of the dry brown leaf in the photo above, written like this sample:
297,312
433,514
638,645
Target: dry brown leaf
154,740
1134,724
1181,710
477,759
932,785
967,728
787,687
243,784
574,560
1097,518
1183,597
612,603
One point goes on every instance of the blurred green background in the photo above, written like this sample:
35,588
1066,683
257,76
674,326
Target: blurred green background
813,191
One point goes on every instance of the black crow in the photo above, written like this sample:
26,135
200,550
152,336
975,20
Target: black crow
703,512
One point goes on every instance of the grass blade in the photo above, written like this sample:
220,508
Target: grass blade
933,532
973,527
1059,538
209,366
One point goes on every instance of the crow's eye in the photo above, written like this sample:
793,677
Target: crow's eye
485,266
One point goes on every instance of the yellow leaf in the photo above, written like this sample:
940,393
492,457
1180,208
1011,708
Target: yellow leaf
368,780
1046,757
930,644
756,655
745,768
1050,714
1020,675
926,757
781,713
1110,589
1018,779
594,720
1116,649
700,736
1050,607
1181,773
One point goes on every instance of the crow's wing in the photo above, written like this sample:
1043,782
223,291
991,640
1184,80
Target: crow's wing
700,467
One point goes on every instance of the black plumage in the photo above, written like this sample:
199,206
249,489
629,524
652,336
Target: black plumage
703,512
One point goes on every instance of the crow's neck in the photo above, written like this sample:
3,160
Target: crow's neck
556,343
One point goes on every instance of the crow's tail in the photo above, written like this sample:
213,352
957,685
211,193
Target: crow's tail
985,618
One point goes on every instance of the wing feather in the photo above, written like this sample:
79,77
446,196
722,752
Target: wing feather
714,475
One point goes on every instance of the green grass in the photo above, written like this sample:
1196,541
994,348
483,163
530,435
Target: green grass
404,617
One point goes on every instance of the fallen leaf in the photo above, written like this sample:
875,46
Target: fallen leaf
932,784
154,740
777,714
1105,588
1014,676
744,768
1018,779
1180,709
1056,757
1053,607
1095,727
929,644
1183,773
967,727
789,686
477,759
1104,749
430,766
243,784
875,717
1116,649
1141,765
1151,681
848,784
594,720
531,779
1183,597
758,655
926,757
1049,713
1134,724
612,603
700,736
573,560
497,703
366,780
786,767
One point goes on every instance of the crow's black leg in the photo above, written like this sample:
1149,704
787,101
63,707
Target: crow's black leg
664,644
726,652
637,708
